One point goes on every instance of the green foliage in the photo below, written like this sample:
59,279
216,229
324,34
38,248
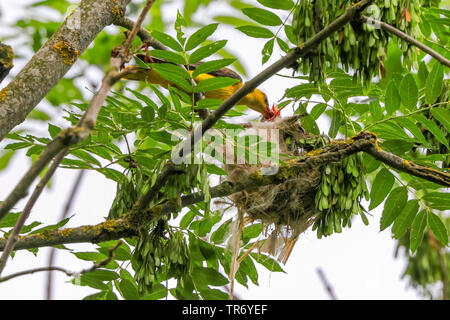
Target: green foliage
407,108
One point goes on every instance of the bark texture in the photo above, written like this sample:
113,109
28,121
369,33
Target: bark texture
55,58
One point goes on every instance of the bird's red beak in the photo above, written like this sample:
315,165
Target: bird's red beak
272,114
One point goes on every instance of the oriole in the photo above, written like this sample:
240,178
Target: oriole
256,100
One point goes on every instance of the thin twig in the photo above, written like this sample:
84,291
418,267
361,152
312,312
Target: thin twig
326,284
143,34
119,228
387,27
12,239
137,26
67,272
64,215
299,52
71,135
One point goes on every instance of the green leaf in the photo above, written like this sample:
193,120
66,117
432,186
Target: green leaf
157,292
269,263
187,219
5,158
290,34
103,275
405,218
262,16
375,110
267,50
166,40
174,74
248,267
392,98
10,220
391,131
212,66
433,128
168,56
87,280
212,168
381,187
128,290
83,155
252,231
90,256
209,103
17,145
408,92
443,116
236,22
413,128
336,121
222,232
422,74
203,277
283,45
213,294
434,84
278,4
113,174
438,200
394,204
256,32
214,83
317,110
206,51
302,90
418,226
438,228
199,36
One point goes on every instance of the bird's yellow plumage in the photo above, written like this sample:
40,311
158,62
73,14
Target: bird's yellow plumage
256,100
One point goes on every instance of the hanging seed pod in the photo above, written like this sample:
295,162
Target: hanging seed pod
339,195
356,40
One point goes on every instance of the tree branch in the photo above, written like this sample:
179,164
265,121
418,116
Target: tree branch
128,225
27,210
54,59
69,273
388,28
64,215
326,284
303,49
143,34
440,177
73,135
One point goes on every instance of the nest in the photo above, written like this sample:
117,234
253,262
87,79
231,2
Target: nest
288,209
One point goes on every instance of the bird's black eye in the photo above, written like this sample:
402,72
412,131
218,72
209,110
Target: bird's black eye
266,101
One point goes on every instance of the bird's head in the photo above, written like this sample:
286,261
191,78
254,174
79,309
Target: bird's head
260,103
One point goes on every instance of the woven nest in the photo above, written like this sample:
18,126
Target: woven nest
286,209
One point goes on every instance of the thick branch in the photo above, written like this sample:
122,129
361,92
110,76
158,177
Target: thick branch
55,58
388,28
303,49
75,134
440,177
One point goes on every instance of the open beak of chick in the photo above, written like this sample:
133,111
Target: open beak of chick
271,114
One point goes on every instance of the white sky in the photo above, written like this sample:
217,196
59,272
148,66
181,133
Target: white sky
358,263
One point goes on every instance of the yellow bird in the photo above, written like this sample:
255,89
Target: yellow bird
256,100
